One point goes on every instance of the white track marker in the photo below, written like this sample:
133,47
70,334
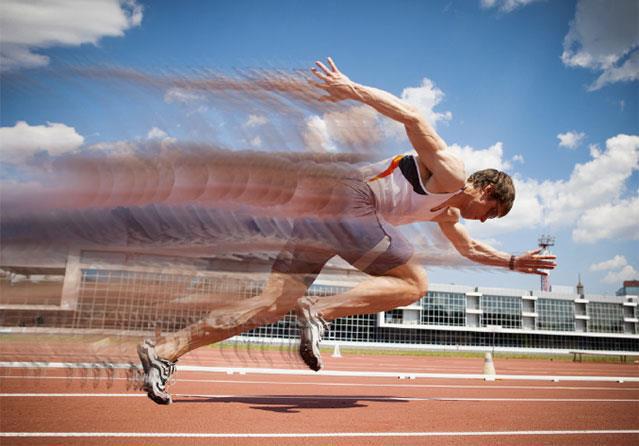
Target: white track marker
311,435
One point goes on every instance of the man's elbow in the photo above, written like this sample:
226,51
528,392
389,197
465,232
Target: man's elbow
412,118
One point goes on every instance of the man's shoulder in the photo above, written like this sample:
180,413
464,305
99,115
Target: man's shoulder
448,175
449,215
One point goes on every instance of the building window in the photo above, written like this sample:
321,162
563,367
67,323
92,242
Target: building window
555,314
504,311
605,317
394,317
439,308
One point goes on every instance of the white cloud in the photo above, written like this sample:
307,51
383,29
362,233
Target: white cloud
609,221
595,151
592,185
571,140
316,136
117,148
615,263
354,128
20,142
628,272
518,158
478,159
158,134
256,142
181,96
193,102
39,24
505,5
605,38
425,98
255,121
629,71
618,270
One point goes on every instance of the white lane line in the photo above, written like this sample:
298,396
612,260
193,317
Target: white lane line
266,371
496,386
80,395
314,435
321,397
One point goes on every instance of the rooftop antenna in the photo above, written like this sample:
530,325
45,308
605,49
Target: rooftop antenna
580,286
545,241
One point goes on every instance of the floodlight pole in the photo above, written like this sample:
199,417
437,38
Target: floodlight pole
545,242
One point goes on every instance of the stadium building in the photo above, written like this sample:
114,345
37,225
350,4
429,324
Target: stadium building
129,293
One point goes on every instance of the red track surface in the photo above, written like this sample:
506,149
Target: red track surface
242,404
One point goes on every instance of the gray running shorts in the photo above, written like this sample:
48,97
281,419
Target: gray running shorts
353,230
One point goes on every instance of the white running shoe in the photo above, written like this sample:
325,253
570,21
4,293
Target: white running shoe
157,372
312,329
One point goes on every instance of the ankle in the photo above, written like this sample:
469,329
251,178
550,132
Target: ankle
167,351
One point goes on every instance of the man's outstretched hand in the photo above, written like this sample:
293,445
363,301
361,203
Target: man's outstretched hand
337,85
534,263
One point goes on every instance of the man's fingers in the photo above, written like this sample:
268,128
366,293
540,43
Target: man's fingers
328,98
314,83
539,262
539,265
323,67
318,74
534,271
332,64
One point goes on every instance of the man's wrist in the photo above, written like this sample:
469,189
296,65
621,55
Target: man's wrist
511,262
356,91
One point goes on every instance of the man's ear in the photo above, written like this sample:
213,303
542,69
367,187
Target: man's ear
488,190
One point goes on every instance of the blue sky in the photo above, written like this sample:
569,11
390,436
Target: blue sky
500,79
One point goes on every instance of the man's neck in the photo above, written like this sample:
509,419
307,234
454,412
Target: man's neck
460,199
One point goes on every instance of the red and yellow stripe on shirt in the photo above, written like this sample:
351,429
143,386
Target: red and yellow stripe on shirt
391,167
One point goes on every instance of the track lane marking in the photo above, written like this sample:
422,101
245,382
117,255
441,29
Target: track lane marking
496,386
305,372
320,397
315,435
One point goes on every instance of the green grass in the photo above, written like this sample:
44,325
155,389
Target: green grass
327,350
375,351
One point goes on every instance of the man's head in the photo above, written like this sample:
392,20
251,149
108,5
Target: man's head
491,194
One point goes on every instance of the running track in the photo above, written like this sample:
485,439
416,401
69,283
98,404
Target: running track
267,409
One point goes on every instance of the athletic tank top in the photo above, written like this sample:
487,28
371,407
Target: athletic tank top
401,196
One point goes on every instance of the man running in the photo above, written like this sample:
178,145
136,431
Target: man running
358,222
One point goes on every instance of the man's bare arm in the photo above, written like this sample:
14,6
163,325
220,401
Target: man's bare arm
427,143
530,262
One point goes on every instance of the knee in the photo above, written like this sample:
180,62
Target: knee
421,282
416,282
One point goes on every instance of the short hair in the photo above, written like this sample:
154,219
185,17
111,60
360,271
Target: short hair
503,187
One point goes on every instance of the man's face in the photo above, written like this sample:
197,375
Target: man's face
482,206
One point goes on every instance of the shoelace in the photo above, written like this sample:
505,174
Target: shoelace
170,379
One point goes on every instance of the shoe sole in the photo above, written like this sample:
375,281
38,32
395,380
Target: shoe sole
310,359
